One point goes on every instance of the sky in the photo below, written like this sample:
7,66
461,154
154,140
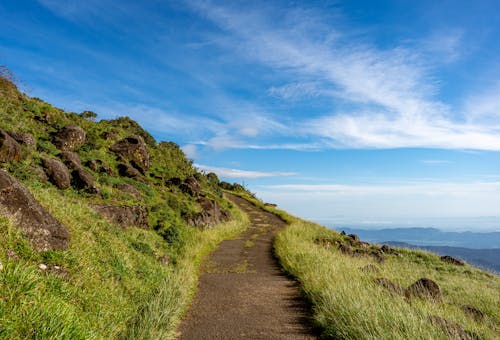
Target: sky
357,113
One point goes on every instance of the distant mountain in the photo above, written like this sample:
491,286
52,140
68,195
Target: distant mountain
484,258
430,237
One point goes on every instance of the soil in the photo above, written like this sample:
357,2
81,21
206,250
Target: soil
242,292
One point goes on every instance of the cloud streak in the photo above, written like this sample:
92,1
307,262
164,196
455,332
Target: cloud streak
390,94
242,174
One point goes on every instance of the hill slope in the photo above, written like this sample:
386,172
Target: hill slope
102,227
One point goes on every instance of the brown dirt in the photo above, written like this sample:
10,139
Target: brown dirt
242,292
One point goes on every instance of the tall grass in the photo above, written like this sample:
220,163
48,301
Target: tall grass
349,305
113,284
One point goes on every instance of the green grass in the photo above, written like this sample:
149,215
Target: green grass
115,286
349,305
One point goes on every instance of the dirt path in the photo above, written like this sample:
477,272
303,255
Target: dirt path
242,293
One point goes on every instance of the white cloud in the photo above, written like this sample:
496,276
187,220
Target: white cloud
391,92
190,150
242,174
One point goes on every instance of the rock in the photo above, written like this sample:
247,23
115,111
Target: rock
58,271
342,233
452,329
41,228
173,181
424,288
42,267
392,287
83,180
40,173
69,138
272,205
191,186
129,189
23,138
71,159
211,214
57,172
98,165
124,216
452,260
370,268
126,170
354,237
134,150
10,150
473,312
388,250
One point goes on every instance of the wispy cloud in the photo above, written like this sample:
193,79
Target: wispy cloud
242,174
391,92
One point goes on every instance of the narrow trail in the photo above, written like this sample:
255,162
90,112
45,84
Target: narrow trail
242,293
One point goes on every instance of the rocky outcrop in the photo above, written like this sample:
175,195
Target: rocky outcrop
473,312
126,170
211,214
124,216
425,289
133,149
98,165
452,329
23,138
83,180
452,260
69,138
191,186
129,189
71,159
57,172
10,150
41,228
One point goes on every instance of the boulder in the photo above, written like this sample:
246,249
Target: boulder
174,181
98,165
452,329
452,260
57,172
23,138
210,215
129,189
126,170
191,186
354,238
69,138
392,287
83,180
134,150
71,159
123,216
424,288
473,312
388,250
10,150
41,228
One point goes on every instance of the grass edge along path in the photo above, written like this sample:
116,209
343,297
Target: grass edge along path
161,316
348,304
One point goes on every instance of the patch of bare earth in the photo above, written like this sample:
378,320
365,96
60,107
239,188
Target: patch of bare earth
243,294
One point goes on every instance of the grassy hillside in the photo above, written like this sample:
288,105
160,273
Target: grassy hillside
113,281
349,304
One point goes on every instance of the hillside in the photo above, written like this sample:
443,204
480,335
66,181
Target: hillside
104,232
102,227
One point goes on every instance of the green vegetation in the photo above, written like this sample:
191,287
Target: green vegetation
348,304
112,282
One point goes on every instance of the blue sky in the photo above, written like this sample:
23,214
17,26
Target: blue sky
361,113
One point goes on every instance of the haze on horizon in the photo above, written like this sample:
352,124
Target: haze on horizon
368,113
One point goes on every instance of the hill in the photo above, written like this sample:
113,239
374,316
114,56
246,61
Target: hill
102,227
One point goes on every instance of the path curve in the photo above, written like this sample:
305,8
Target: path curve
242,293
